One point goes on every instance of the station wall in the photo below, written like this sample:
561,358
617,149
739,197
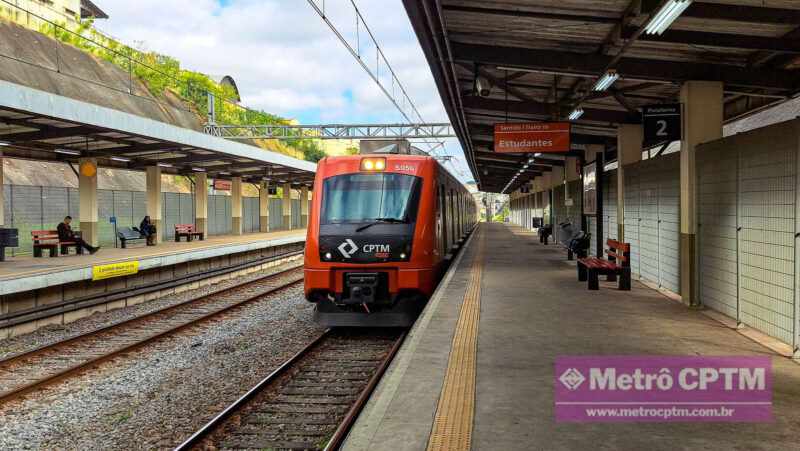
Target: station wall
652,219
747,224
30,208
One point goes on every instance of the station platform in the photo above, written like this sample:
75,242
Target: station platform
508,316
25,273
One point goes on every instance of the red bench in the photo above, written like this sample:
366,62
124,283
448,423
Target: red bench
188,231
48,240
618,264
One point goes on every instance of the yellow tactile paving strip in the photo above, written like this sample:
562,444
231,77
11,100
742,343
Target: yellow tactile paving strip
452,425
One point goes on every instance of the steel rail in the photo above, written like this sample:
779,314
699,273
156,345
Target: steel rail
218,420
91,363
344,426
338,437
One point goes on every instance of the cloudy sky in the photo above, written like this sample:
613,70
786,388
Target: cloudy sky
284,58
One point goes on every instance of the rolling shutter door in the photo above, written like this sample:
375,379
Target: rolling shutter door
767,183
669,199
716,233
648,224
632,216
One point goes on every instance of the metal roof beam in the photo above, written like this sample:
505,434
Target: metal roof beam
590,65
531,14
742,13
47,132
545,110
724,40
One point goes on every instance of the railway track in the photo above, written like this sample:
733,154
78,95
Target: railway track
310,401
40,367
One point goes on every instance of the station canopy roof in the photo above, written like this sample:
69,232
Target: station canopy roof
37,125
540,60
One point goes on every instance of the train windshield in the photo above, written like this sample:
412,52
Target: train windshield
360,198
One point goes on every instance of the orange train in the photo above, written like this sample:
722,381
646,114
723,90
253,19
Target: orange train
381,229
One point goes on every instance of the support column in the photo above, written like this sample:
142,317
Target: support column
154,199
304,207
629,151
201,203
702,122
286,206
263,207
87,193
571,169
236,206
2,194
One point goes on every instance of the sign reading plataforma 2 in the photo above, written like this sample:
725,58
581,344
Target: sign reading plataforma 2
662,124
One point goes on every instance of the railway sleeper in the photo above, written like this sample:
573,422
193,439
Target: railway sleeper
267,444
300,409
258,418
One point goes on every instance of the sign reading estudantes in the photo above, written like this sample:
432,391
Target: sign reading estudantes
532,137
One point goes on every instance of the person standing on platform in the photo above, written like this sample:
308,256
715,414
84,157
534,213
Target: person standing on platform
65,233
148,230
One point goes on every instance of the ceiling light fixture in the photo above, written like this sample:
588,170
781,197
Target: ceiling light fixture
198,170
122,159
666,15
68,151
606,80
576,114
164,165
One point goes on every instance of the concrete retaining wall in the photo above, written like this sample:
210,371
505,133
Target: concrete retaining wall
65,292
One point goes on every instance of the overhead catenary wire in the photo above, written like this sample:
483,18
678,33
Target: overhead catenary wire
405,99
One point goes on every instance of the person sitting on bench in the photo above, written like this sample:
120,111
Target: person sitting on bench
65,233
148,230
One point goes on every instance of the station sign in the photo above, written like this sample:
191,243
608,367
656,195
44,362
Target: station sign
532,137
662,124
222,185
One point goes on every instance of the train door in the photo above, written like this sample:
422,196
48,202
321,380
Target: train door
453,223
460,215
443,212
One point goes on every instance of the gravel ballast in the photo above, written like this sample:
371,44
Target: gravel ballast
156,397
56,332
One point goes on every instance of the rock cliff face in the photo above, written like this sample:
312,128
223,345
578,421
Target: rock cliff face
37,61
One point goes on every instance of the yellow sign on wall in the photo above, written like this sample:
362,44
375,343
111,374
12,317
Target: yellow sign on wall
101,272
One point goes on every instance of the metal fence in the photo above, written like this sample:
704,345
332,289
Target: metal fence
29,208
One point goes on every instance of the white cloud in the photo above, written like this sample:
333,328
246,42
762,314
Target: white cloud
283,57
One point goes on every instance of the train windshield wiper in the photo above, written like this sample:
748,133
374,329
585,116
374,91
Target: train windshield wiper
380,221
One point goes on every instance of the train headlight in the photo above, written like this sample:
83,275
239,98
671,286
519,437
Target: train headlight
373,164
402,256
328,256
